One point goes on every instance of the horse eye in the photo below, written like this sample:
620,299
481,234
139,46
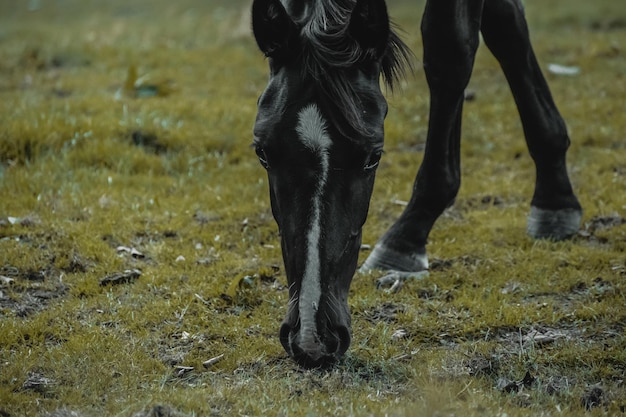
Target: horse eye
373,161
260,153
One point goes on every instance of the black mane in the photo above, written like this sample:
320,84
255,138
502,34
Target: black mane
328,50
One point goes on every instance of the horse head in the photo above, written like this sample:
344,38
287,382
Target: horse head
319,135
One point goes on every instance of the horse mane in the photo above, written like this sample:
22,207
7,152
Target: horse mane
328,49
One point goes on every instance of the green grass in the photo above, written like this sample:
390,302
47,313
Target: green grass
88,164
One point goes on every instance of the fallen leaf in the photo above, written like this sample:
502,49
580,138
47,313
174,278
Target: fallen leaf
6,280
558,69
208,363
399,334
182,370
132,251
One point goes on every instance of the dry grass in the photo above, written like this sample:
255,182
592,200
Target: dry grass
92,167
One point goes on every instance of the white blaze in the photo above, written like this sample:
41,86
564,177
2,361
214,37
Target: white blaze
311,131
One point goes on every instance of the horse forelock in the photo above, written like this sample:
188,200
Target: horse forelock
328,50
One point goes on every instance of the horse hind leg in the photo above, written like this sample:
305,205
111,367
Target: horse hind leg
555,211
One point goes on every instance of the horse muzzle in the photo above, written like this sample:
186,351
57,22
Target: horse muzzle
313,350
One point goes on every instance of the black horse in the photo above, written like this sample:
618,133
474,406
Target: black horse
319,135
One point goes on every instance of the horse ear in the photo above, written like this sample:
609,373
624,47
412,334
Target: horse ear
272,27
369,25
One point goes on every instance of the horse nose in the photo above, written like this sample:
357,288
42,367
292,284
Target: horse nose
323,351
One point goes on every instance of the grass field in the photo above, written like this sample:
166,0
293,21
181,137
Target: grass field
140,266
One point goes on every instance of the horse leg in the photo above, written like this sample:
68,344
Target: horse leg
555,211
450,31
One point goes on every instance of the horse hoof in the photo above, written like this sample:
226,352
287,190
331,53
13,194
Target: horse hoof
386,259
553,224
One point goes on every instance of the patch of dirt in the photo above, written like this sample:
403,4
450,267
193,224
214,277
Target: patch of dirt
37,381
593,397
541,378
387,312
465,260
596,289
24,292
596,224
482,365
518,341
603,222
484,201
177,346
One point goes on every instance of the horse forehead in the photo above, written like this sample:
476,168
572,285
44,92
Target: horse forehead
312,129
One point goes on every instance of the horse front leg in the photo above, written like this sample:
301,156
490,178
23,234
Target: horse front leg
555,211
450,36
